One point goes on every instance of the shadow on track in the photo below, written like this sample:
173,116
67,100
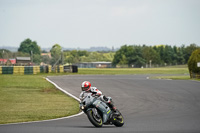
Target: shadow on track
91,127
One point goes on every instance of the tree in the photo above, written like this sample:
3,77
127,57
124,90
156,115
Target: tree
21,54
138,61
108,56
148,53
121,55
76,56
180,56
31,47
134,56
46,59
56,51
123,60
37,58
189,50
160,50
27,46
35,48
131,55
168,53
4,53
192,62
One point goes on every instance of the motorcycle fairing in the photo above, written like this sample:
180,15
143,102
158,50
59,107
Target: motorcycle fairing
103,108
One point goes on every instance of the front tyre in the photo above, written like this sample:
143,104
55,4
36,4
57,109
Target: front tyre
94,117
118,119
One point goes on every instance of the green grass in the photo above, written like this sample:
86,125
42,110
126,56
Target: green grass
181,71
30,98
180,77
113,71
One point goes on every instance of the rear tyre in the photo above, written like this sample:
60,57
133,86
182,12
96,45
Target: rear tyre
96,120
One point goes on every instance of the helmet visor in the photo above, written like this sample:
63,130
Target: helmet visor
85,88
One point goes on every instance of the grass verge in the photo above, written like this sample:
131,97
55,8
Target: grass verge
182,77
113,71
31,98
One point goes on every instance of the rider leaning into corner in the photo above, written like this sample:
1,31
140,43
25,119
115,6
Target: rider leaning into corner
86,88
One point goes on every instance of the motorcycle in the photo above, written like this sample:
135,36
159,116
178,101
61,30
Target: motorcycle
99,113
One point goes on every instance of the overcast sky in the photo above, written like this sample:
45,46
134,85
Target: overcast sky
86,23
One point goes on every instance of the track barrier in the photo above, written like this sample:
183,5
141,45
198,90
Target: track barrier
36,69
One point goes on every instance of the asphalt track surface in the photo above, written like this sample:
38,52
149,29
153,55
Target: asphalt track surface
148,106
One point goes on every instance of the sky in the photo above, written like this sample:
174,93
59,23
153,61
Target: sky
99,23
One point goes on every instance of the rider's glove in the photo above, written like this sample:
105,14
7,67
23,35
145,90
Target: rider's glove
95,94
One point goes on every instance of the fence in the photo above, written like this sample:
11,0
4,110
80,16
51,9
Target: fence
30,69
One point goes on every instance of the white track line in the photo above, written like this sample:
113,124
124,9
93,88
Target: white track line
63,90
56,118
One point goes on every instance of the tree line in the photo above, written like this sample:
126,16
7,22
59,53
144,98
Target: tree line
127,55
29,48
161,55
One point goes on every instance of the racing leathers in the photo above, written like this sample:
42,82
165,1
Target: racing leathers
98,93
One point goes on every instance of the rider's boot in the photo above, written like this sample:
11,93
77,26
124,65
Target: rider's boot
110,103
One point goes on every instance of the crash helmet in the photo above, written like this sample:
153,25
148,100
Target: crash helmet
85,86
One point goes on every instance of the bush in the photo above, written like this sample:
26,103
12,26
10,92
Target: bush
192,63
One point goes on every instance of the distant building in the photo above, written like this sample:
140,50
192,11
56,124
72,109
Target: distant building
13,61
23,60
94,65
46,54
5,61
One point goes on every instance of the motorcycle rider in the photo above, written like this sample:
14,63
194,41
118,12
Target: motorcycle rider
86,88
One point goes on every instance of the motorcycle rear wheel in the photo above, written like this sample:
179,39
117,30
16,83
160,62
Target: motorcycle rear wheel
97,122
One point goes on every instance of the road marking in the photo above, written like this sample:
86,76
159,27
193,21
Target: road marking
56,118
63,90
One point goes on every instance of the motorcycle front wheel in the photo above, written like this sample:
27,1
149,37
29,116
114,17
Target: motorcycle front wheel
95,118
118,119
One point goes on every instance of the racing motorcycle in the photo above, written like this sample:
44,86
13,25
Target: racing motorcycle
99,112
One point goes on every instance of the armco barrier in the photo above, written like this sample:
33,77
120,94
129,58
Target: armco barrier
49,68
7,70
18,70
41,69
61,69
28,70
34,69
